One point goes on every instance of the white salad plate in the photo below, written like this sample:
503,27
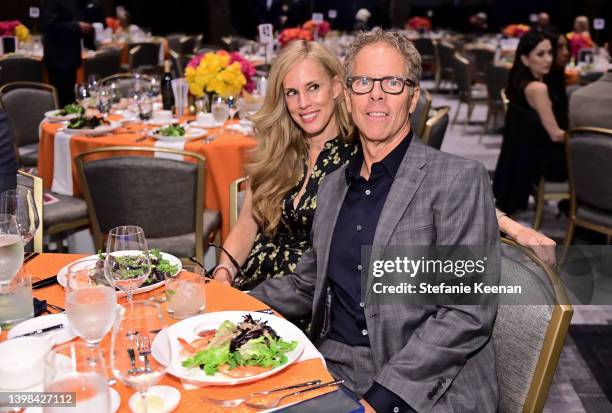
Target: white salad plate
187,329
54,116
61,274
97,131
190,133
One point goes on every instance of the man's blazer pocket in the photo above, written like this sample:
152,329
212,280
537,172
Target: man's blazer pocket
414,230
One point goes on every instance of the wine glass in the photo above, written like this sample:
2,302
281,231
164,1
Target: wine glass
91,301
11,248
201,104
105,99
77,368
20,203
81,94
154,87
127,243
219,108
133,336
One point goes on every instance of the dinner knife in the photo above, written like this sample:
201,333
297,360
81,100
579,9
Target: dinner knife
45,283
41,331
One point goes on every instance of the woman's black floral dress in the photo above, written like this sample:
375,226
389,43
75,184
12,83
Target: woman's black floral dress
278,255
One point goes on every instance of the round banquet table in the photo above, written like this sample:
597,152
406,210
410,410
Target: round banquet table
225,158
219,297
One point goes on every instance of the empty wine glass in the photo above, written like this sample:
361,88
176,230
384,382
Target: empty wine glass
154,87
20,203
11,248
81,94
127,260
79,369
134,334
91,301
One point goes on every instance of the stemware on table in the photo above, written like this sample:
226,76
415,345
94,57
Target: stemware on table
20,203
122,241
91,301
11,248
131,359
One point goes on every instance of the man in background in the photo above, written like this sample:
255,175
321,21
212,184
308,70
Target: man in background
63,30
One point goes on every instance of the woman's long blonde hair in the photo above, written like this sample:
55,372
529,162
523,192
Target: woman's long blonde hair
277,162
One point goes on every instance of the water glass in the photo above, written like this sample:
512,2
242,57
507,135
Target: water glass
185,292
11,248
219,108
134,335
76,367
20,203
91,301
128,240
16,302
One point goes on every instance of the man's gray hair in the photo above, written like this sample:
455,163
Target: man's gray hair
393,38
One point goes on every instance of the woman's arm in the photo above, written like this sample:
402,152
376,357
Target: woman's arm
240,240
537,97
541,245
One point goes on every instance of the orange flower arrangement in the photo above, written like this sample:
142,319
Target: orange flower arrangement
515,30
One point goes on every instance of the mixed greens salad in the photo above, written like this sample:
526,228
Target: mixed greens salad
132,265
71,109
83,122
171,130
249,343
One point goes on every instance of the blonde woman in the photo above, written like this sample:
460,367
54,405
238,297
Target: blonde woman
304,133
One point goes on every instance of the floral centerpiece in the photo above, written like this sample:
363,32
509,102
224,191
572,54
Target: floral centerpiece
113,23
223,73
306,32
419,23
14,28
515,30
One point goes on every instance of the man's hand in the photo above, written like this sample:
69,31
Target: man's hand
86,28
541,245
368,407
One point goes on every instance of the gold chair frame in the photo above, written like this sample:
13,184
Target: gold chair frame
553,339
426,110
234,189
99,237
38,195
434,119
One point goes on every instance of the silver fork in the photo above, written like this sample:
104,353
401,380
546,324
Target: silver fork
144,349
238,401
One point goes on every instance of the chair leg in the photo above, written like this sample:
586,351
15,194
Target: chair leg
468,116
537,219
457,112
569,233
486,123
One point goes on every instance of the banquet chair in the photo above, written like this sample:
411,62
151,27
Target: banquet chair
176,65
466,93
547,191
174,41
35,185
425,46
189,44
38,98
236,199
528,332
444,63
421,112
483,58
104,63
16,68
495,80
144,56
126,83
435,128
588,154
131,186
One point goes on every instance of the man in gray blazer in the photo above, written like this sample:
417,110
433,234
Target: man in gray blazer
397,192
591,105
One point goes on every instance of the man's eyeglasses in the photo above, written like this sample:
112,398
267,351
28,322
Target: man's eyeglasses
392,85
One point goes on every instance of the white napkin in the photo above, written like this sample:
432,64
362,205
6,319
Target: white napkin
310,352
62,164
169,145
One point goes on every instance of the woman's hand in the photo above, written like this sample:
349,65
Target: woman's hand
223,275
541,245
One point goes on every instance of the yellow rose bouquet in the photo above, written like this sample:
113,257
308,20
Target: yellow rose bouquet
219,72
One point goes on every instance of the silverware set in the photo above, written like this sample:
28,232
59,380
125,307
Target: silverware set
250,400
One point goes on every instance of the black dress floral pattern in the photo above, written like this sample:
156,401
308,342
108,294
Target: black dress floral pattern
278,255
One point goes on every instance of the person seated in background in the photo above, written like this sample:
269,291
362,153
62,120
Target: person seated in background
394,191
532,137
591,105
580,38
8,161
543,22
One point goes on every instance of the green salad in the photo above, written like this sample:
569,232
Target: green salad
131,265
71,109
248,343
172,130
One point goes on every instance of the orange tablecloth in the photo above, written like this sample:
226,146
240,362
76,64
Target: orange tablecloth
219,297
225,159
